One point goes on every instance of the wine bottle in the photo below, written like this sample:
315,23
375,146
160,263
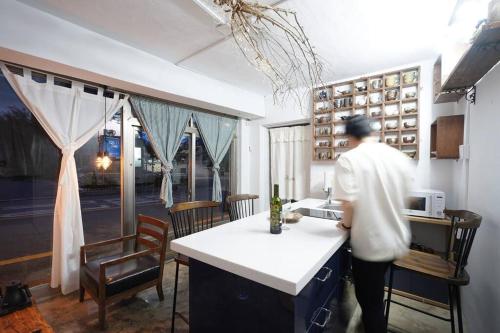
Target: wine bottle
276,211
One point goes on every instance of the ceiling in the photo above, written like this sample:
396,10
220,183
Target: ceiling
353,36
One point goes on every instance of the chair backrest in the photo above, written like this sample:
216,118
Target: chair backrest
464,225
190,217
241,205
151,233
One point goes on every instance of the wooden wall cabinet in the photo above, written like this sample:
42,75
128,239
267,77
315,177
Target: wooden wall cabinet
447,134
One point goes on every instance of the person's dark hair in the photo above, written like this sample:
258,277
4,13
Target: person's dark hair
357,126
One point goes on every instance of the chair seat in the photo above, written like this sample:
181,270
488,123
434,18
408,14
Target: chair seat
431,265
123,276
182,259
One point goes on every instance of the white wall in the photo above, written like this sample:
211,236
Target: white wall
482,297
33,32
438,174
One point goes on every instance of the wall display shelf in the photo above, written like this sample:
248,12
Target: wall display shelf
389,100
482,54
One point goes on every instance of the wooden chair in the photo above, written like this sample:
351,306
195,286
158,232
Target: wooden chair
241,205
116,277
188,218
450,269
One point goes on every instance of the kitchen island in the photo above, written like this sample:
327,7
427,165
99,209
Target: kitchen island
244,279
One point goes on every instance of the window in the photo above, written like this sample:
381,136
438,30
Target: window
29,167
100,190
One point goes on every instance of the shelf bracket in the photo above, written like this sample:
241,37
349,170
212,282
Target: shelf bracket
470,95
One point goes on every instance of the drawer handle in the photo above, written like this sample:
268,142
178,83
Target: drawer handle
327,317
327,275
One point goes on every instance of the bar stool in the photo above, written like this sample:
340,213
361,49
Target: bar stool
464,225
188,218
241,205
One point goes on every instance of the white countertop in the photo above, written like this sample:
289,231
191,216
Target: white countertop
287,261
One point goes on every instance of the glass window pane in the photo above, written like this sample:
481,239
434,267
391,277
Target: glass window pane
204,173
100,198
29,167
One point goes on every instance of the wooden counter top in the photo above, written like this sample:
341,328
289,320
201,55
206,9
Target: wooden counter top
420,219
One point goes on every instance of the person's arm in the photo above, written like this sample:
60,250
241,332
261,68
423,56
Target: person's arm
348,209
345,190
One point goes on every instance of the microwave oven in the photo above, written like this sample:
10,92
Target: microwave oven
427,203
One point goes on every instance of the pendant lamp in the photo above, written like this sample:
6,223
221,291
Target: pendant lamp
103,161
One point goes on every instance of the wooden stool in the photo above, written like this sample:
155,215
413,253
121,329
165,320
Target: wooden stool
450,269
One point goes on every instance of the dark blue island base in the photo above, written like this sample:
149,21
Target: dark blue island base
220,301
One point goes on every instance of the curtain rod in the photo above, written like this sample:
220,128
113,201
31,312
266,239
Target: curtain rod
289,125
109,88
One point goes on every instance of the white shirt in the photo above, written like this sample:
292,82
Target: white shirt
376,179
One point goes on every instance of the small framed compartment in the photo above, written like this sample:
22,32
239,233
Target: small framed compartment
375,83
391,125
410,77
323,143
339,130
376,125
409,108
391,80
323,94
360,100
339,115
392,139
343,89
409,94
341,142
391,95
375,111
375,98
360,111
324,154
323,107
322,119
343,103
409,123
409,138
391,111
322,131
361,87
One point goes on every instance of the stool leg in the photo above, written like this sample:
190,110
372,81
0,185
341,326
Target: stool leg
389,293
459,310
175,296
452,314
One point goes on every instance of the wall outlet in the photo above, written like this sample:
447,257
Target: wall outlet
464,152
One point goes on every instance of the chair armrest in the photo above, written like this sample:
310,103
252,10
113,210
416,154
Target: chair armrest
85,247
107,242
104,264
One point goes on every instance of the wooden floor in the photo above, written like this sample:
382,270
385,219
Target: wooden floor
145,313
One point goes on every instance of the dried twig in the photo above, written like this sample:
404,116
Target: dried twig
274,42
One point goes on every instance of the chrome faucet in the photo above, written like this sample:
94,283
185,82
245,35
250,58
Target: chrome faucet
329,195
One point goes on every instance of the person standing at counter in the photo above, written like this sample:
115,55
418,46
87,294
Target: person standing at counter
372,181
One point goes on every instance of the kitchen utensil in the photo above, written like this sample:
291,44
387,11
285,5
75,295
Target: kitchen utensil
323,95
361,88
17,296
376,113
361,100
376,126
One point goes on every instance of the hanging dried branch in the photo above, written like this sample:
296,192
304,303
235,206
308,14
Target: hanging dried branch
274,42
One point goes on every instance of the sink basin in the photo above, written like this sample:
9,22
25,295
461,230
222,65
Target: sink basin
332,206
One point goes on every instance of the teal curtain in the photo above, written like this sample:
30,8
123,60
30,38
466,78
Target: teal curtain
217,133
165,125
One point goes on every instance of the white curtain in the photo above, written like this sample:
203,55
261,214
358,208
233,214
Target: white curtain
290,160
70,117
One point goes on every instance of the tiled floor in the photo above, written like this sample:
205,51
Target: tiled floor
145,313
